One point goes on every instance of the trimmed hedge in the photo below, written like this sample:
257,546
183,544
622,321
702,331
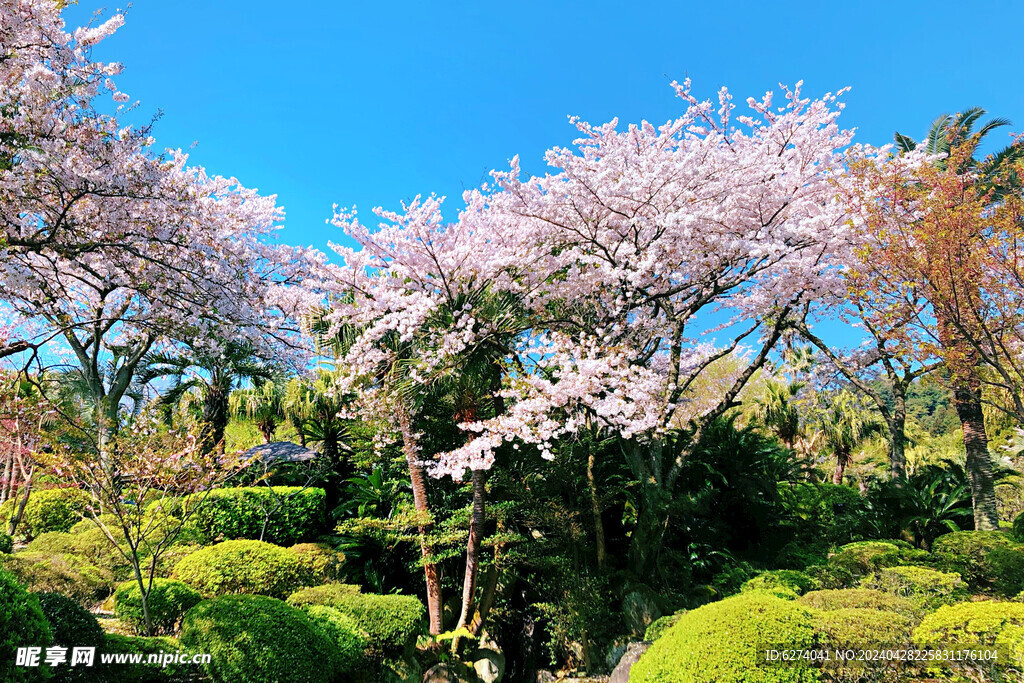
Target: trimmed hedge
22,624
856,598
250,567
49,510
928,588
830,576
72,626
988,561
1018,528
6,543
864,557
168,602
344,632
795,581
391,622
970,623
239,513
723,642
320,563
66,574
857,628
143,673
661,625
256,639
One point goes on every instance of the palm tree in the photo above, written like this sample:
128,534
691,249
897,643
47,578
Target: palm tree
844,424
996,175
263,403
314,409
208,377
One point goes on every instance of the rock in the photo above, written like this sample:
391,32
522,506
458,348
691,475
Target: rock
544,676
615,652
447,673
489,663
640,609
632,655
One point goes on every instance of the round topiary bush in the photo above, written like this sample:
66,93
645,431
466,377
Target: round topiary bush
988,561
974,623
830,576
143,672
6,543
724,642
250,567
168,602
254,639
68,575
661,625
22,624
864,556
795,581
54,542
53,510
867,629
297,514
72,626
320,563
857,598
1018,528
344,632
391,622
925,587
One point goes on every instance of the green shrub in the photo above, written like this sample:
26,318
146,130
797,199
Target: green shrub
865,556
239,513
53,510
72,626
88,524
68,575
22,624
320,563
830,576
857,598
322,595
723,642
256,639
798,582
54,542
168,602
661,625
250,567
6,543
926,587
833,513
1018,528
143,672
858,628
390,621
344,632
988,561
968,623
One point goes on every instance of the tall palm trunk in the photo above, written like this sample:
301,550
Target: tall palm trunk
476,530
410,448
979,462
842,460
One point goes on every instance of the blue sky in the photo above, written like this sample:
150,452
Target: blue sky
371,103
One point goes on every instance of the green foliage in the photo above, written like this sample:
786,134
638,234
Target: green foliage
827,514
987,560
320,563
240,513
795,581
72,626
143,672
391,622
22,624
863,627
830,576
321,595
168,602
344,632
89,524
256,639
661,625
251,567
928,588
864,556
66,574
974,623
1018,528
49,510
6,543
856,598
721,642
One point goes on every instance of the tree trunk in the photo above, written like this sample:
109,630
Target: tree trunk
215,419
979,462
898,434
410,448
476,530
595,506
842,458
